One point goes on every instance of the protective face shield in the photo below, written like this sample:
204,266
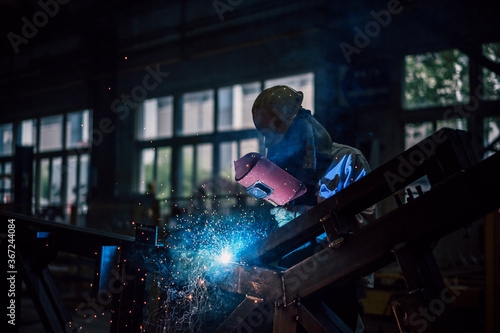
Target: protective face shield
274,111
265,180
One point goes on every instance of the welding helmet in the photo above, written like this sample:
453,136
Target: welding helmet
274,110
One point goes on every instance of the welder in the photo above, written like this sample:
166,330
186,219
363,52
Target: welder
300,145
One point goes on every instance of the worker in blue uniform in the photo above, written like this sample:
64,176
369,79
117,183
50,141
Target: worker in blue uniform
300,145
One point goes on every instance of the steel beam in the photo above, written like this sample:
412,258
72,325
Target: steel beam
80,241
445,208
285,319
237,318
311,323
266,284
442,154
45,296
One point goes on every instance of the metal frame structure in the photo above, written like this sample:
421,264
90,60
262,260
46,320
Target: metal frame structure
38,243
462,190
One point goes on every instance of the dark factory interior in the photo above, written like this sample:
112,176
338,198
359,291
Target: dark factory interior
143,157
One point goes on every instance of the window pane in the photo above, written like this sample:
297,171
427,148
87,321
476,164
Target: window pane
28,133
8,172
8,168
7,182
6,139
231,151
71,189
198,113
55,186
228,154
204,163
51,133
235,106
187,171
302,82
460,124
491,80
248,146
164,170
436,79
146,174
148,117
156,118
78,129
491,135
84,182
34,187
44,182
416,132
2,180
165,117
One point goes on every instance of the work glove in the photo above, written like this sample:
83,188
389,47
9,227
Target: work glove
283,216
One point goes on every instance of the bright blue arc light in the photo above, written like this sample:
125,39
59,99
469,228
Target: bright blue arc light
225,257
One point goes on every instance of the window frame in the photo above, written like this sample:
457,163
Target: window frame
64,153
4,160
474,120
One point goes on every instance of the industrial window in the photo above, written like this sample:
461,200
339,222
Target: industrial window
491,135
436,79
155,119
163,172
197,167
77,180
416,132
197,113
491,80
230,151
51,133
6,135
155,167
147,168
28,133
77,129
433,81
60,164
235,103
187,147
438,93
5,182
6,158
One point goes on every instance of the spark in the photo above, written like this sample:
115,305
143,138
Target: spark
198,249
225,257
